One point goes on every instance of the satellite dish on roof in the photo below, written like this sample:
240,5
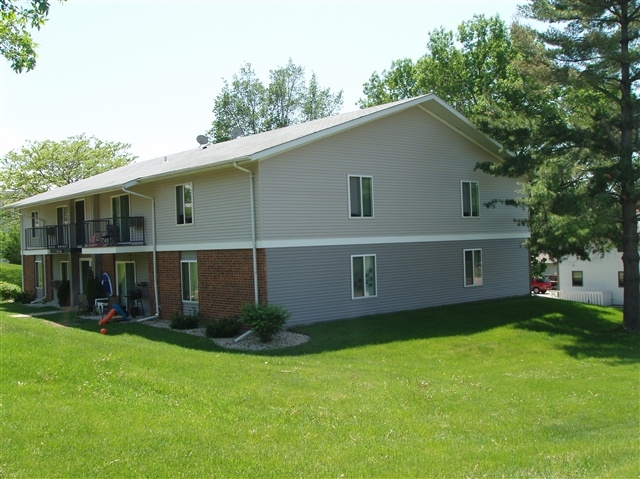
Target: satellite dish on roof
236,132
202,139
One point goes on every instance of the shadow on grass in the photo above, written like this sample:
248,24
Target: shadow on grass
581,330
589,332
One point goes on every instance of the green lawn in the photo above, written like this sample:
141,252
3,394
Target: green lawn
517,388
11,273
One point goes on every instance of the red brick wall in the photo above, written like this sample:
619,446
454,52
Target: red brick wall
169,284
48,277
151,286
108,265
29,272
225,281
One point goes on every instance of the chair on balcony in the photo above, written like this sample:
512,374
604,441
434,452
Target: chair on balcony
111,236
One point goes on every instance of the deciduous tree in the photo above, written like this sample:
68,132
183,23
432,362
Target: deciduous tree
248,106
42,165
17,19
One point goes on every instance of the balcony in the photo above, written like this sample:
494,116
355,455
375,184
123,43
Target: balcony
90,234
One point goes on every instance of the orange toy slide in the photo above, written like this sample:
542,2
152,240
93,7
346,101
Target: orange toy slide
108,317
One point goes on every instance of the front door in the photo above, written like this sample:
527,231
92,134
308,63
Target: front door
120,213
125,280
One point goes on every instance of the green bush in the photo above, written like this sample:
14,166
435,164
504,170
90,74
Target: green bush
8,290
63,291
224,327
189,321
25,297
265,320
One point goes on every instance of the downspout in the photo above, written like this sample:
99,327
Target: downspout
253,230
153,236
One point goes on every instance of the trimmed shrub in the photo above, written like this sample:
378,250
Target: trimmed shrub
265,320
190,321
25,297
62,291
8,290
224,327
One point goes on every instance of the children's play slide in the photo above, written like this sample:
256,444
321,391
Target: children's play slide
115,310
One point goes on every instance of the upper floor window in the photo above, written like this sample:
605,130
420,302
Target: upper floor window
472,267
470,198
620,279
189,281
363,276
360,196
62,215
184,204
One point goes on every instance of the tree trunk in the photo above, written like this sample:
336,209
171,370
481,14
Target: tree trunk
630,261
629,194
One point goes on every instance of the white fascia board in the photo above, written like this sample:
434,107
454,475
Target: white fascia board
315,242
206,246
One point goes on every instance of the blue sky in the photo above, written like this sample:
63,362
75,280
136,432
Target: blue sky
147,72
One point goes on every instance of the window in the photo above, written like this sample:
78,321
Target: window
184,204
361,196
470,199
576,278
473,267
620,279
363,276
189,281
39,275
62,215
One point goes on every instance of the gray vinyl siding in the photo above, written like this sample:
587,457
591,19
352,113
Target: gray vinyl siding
314,283
221,209
417,164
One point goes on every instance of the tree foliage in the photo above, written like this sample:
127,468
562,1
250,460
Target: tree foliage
42,165
17,19
248,105
592,166
564,102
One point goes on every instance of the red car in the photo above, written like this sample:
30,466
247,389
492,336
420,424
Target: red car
540,285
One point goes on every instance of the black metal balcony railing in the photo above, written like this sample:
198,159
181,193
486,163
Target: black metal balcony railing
91,233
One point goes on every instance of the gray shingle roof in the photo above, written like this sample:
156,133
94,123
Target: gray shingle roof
257,147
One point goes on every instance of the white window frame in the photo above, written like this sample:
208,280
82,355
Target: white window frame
574,281
184,205
475,282
182,278
365,293
467,184
65,214
361,215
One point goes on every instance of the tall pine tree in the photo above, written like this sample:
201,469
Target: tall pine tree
594,48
